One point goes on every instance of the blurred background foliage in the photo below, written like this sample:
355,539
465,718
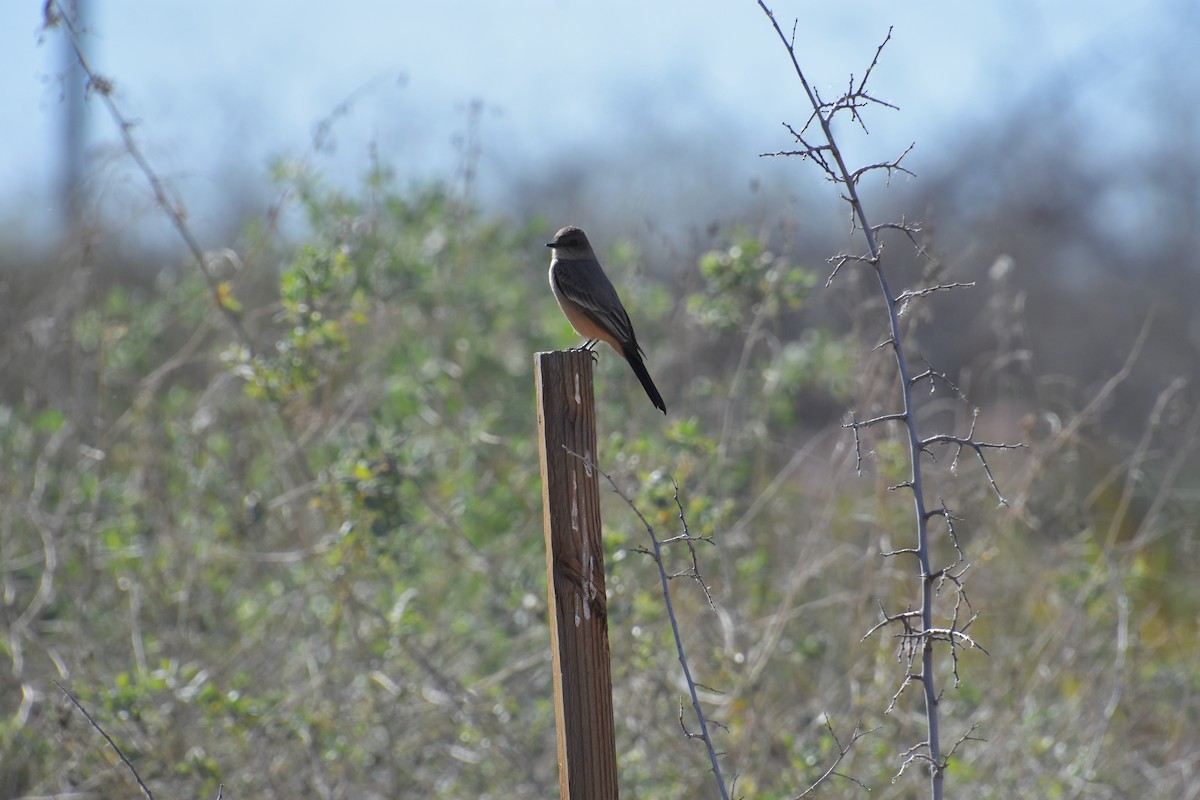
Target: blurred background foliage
309,561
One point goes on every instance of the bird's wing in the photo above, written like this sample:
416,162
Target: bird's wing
585,284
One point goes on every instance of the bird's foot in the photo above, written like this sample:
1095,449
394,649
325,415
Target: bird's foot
587,347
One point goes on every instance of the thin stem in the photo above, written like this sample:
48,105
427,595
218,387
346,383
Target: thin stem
665,580
849,182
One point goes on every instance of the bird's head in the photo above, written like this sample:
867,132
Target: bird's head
571,243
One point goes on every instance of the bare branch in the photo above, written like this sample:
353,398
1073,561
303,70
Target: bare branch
967,442
843,749
862,84
128,764
916,631
890,167
909,679
894,417
911,294
840,260
857,445
888,619
966,737
929,374
656,553
55,15
918,752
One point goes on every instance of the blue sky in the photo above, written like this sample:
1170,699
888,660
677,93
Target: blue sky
219,88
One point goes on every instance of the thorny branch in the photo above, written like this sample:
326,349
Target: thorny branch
912,294
930,374
969,441
128,764
843,749
53,16
656,553
917,633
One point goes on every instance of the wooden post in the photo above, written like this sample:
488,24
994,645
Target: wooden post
587,759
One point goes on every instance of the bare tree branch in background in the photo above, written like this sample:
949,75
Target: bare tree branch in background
917,632
54,16
655,551
116,749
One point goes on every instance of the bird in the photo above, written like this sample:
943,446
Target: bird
590,303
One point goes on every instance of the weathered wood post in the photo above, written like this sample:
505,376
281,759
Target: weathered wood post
587,760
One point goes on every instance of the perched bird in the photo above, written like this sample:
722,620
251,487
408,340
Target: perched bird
591,304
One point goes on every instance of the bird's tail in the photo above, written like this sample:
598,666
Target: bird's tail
639,369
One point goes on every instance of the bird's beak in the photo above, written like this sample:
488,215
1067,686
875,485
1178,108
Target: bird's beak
549,244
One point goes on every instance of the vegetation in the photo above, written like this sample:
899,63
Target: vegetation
311,562
284,536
